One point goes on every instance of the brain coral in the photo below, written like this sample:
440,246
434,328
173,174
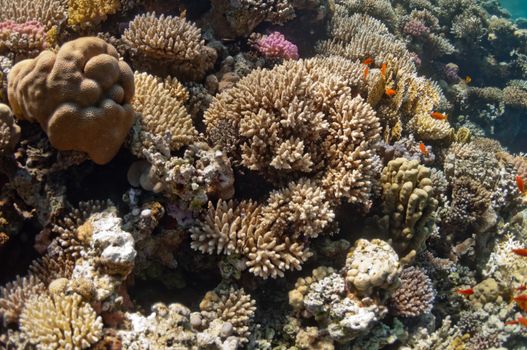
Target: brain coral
80,96
299,119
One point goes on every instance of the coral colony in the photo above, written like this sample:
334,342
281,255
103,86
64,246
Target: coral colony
262,174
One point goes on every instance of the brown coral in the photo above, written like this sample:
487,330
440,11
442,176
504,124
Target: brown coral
415,296
173,39
80,96
60,321
9,130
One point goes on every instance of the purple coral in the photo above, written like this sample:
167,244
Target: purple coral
416,28
451,71
31,28
275,45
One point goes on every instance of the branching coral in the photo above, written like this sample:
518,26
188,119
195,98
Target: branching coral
60,321
26,39
161,104
173,39
408,204
9,130
47,12
80,96
83,12
415,296
14,295
298,119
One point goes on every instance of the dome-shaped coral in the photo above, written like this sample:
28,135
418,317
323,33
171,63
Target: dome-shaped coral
80,96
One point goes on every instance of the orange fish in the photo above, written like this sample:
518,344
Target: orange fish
366,72
390,92
521,298
520,251
423,149
383,70
522,288
439,116
468,291
520,320
468,79
520,184
368,61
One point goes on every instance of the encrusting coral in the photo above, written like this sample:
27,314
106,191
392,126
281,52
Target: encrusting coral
80,96
60,321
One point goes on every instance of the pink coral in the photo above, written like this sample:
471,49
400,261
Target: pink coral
275,45
27,38
415,27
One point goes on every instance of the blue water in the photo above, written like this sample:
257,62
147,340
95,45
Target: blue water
517,8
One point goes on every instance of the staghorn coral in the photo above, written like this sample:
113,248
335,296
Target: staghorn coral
231,306
14,295
60,321
48,12
415,296
298,119
173,39
9,130
161,105
408,204
93,113
86,12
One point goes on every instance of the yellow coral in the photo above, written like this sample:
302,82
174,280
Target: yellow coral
90,11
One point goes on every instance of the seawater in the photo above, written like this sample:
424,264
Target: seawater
517,8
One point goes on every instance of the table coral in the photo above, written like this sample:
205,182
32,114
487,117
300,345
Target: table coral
173,39
93,114
60,321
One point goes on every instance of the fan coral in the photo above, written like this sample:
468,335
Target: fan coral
174,40
47,12
161,104
371,266
24,39
298,119
14,296
232,306
60,321
408,204
82,12
80,96
275,45
415,296
9,130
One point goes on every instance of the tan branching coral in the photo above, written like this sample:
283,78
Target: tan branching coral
14,295
60,321
295,120
47,12
233,306
173,39
80,96
9,130
161,104
23,40
82,12
380,9
415,296
408,204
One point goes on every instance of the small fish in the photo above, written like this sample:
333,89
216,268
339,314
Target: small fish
521,298
520,184
383,71
520,251
439,116
368,61
468,291
390,92
468,79
366,72
520,320
423,149
522,288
